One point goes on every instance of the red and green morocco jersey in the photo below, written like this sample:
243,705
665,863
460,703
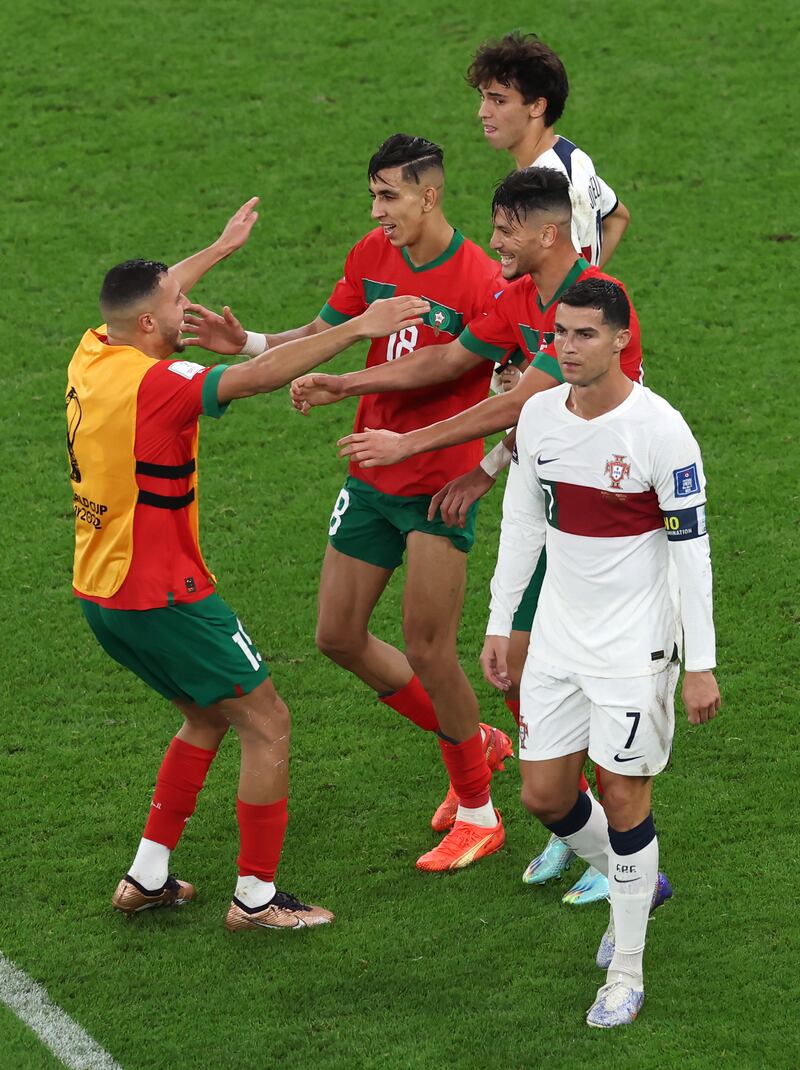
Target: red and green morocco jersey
519,321
461,285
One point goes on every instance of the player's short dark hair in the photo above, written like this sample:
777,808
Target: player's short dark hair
522,61
414,154
602,294
533,189
130,282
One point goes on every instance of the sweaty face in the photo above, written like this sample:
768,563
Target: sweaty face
397,204
504,115
586,347
518,242
168,314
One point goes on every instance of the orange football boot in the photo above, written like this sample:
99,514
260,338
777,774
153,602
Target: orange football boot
463,845
497,747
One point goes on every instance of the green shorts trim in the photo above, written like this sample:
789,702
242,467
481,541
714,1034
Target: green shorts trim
523,618
195,651
372,526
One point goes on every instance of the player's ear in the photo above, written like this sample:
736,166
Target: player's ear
549,234
622,339
146,323
430,198
537,109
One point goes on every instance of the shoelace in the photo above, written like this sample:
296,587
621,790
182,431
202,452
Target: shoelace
290,902
462,833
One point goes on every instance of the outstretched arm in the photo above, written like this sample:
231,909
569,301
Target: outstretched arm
370,448
236,232
225,334
425,367
277,367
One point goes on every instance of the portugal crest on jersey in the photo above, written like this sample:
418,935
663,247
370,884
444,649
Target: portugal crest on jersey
617,469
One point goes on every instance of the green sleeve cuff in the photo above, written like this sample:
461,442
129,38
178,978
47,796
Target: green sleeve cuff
331,316
546,362
211,405
481,348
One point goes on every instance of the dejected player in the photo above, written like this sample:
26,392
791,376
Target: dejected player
610,479
141,580
382,515
523,88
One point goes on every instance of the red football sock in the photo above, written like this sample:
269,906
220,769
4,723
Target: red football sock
261,833
583,783
179,781
599,783
469,773
513,705
414,703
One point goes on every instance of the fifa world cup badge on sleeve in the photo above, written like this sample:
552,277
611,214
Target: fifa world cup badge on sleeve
687,481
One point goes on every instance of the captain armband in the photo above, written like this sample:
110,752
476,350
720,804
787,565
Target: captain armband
255,344
682,524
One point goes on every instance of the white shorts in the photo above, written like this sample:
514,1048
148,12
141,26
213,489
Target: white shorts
626,724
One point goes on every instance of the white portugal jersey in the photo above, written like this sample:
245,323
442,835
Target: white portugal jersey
619,500
592,198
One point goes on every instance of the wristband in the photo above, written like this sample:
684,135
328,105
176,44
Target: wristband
496,460
254,345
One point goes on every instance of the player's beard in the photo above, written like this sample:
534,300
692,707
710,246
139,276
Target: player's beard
172,339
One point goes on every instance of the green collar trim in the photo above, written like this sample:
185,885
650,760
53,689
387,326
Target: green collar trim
577,269
455,244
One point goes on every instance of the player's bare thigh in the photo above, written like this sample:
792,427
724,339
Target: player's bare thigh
434,593
349,590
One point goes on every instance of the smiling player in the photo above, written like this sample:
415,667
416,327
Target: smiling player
382,515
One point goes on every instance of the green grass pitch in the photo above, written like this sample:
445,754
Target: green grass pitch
132,130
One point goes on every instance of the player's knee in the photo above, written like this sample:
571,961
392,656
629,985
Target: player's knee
267,721
533,799
429,657
275,724
338,645
545,804
625,801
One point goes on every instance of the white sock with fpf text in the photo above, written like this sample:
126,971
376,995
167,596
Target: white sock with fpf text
632,876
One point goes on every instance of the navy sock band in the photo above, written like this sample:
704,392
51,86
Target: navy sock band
448,739
636,839
575,819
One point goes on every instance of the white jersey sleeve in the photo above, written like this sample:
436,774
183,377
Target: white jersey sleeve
679,482
592,198
522,534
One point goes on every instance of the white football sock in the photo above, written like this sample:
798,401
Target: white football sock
632,880
151,866
254,892
591,841
484,816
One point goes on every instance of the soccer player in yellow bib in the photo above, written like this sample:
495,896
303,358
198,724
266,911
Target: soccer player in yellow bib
142,583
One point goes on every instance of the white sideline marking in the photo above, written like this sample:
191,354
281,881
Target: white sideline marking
54,1027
